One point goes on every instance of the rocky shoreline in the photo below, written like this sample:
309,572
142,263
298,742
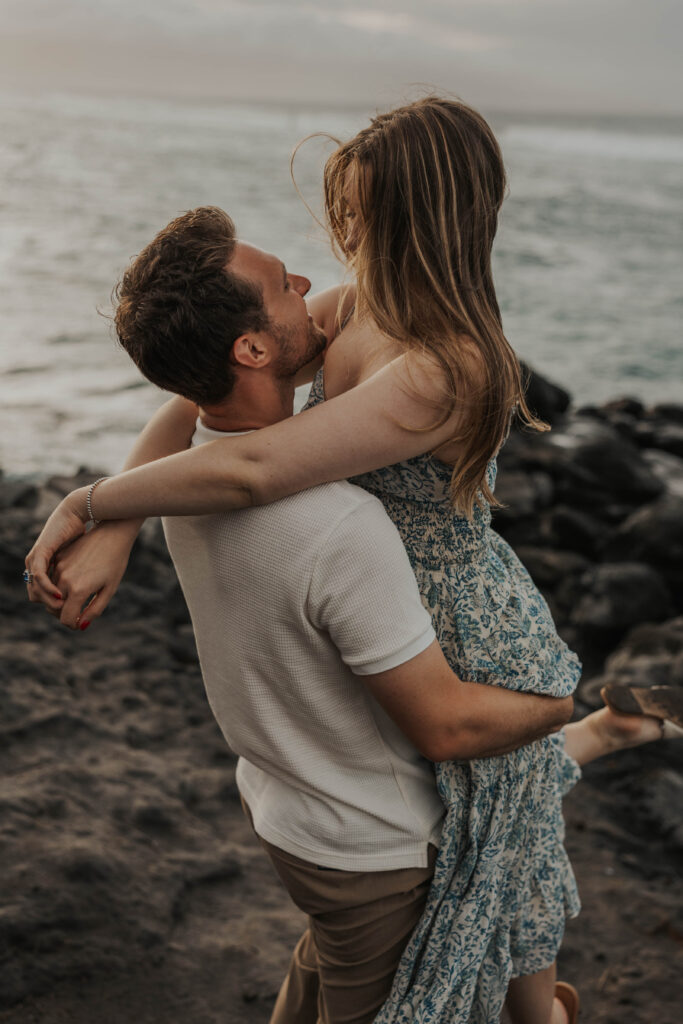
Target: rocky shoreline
131,884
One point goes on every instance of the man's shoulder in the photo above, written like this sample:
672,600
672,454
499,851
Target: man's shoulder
325,506
308,518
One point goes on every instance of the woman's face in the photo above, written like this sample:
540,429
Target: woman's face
352,210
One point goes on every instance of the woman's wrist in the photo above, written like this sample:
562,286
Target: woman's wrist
77,503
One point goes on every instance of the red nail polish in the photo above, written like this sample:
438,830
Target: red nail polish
83,625
58,596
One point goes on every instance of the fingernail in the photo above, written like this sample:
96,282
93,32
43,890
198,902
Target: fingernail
58,596
83,625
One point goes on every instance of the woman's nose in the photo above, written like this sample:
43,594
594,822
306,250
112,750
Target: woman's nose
351,240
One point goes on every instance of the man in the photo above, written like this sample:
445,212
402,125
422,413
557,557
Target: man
320,663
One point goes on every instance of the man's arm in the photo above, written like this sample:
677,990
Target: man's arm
364,594
449,719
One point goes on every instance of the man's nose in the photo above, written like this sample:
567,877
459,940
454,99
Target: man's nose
300,284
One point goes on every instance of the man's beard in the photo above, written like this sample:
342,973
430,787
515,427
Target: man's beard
292,355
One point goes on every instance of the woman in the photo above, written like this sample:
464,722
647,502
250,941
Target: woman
422,381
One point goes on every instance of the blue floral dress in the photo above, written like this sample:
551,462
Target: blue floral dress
503,885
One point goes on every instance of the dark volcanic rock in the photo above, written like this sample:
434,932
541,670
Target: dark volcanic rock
522,494
654,535
653,433
620,595
578,531
650,655
548,568
17,493
131,886
615,471
546,400
669,437
669,411
623,407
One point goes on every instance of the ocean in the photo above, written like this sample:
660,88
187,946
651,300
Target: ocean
588,261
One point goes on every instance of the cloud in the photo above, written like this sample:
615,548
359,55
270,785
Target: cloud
404,25
615,55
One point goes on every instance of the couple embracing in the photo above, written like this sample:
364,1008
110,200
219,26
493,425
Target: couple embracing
378,657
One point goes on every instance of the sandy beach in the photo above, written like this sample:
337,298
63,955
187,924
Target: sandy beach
132,886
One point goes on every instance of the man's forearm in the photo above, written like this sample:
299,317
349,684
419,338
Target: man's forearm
496,721
448,719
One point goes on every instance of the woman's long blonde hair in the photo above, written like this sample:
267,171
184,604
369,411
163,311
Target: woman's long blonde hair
431,181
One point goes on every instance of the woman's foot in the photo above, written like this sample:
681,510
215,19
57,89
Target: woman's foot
565,1004
616,731
665,702
558,1015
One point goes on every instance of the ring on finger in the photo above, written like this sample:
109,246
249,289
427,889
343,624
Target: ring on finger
28,577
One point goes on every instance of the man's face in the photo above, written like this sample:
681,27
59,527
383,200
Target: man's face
299,339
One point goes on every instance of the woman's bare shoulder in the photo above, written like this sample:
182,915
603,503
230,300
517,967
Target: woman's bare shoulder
330,308
439,386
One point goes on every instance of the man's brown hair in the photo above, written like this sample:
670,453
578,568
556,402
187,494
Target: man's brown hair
179,310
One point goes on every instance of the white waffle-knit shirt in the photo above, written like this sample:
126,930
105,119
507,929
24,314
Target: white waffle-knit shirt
292,604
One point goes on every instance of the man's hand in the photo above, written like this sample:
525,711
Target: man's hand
92,568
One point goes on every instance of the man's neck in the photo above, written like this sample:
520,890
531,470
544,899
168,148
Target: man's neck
250,406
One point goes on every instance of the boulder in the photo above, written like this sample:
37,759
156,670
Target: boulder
657,799
549,568
620,595
654,535
627,406
522,494
666,467
578,531
17,493
546,400
613,468
650,655
671,411
668,437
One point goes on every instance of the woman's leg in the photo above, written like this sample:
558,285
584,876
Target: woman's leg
531,999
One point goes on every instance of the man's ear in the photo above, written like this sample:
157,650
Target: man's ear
251,351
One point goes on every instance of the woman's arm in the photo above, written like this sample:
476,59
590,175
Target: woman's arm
96,562
386,419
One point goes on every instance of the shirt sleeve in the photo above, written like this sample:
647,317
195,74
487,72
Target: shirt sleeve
364,594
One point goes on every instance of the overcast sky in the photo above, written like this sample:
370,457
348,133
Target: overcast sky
601,56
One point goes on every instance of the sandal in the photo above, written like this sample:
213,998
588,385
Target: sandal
569,998
663,702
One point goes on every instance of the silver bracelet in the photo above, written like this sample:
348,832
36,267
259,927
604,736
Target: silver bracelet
88,500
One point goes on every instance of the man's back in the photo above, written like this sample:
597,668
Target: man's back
291,604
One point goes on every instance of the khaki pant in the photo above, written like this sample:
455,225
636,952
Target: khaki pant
359,923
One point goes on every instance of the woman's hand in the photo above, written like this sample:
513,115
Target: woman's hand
64,525
87,572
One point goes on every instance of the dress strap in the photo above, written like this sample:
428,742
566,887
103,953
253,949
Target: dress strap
347,318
